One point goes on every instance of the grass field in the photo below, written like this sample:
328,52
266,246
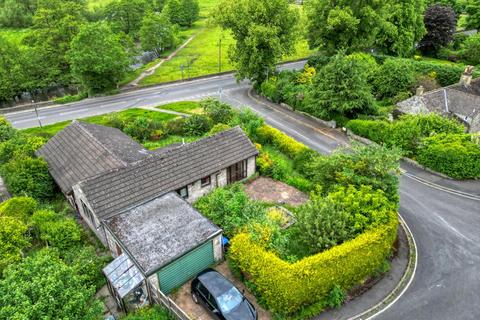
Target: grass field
128,115
189,107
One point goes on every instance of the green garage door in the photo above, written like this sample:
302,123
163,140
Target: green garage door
183,269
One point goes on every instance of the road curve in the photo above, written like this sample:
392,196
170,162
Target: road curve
446,226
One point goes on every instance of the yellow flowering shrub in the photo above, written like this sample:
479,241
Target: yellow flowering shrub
286,144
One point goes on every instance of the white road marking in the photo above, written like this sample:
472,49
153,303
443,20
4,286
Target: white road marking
71,112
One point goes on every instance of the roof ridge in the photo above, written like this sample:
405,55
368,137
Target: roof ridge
81,123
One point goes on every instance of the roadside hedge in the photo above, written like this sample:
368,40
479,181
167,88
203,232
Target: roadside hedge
286,144
287,287
455,155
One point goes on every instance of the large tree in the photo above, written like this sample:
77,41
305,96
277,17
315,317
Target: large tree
182,12
264,31
126,15
98,58
17,13
157,33
341,88
403,28
344,24
441,22
11,70
473,11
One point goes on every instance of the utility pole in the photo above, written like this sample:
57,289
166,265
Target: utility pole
36,112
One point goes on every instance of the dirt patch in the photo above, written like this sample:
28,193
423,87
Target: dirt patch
195,311
269,190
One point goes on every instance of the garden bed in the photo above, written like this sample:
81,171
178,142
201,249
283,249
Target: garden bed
272,191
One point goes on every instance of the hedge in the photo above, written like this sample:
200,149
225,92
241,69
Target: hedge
455,155
286,144
287,287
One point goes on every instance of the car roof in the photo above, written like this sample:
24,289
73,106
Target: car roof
215,283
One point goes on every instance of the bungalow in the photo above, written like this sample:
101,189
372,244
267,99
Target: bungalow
137,201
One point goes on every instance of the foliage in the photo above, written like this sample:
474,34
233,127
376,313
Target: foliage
264,32
126,15
455,155
326,221
28,176
150,313
445,74
157,33
249,121
344,24
42,286
12,74
13,240
440,22
175,127
341,88
197,125
286,144
69,98
230,208
403,28
394,76
142,128
17,13
218,111
471,50
182,12
6,130
473,18
98,58
19,146
21,208
219,127
286,287
56,230
336,297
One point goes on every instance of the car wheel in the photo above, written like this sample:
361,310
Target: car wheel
194,298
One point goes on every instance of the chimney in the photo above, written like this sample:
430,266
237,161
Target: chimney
466,78
420,91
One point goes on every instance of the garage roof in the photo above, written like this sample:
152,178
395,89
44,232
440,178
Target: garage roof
160,231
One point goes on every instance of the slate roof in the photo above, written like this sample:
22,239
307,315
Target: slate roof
159,231
125,187
83,150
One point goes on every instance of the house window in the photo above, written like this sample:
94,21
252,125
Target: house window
237,172
89,214
183,192
205,181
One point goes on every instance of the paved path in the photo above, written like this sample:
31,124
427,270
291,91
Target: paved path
445,223
166,111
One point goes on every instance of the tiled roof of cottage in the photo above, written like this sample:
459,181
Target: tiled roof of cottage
82,150
157,232
125,187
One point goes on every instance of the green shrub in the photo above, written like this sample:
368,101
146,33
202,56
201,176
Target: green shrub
393,77
286,287
249,121
175,127
336,297
197,125
6,130
455,155
150,313
13,240
20,145
375,130
446,74
87,264
18,207
219,127
218,111
286,144
70,98
471,50
142,128
57,231
28,176
116,121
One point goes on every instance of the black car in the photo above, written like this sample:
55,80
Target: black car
221,297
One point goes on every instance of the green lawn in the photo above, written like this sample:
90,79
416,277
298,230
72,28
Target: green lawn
128,115
189,107
168,140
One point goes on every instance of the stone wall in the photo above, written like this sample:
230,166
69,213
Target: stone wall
95,226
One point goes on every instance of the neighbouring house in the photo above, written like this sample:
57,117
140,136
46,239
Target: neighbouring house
461,101
137,201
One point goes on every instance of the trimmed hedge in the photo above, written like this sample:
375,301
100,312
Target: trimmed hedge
287,287
455,155
286,144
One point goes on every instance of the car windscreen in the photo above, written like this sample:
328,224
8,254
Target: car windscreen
229,300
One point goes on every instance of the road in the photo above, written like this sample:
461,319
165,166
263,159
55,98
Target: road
446,225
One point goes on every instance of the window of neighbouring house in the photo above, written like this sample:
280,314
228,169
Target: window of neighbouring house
89,214
205,181
183,192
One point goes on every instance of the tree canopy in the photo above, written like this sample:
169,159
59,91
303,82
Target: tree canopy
473,17
264,31
157,33
182,12
440,22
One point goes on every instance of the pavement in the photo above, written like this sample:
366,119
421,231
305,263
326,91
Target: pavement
443,215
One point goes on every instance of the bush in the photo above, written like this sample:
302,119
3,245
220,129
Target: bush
13,240
286,144
218,111
30,177
18,207
175,127
455,155
150,313
230,208
197,125
393,77
286,287
57,231
70,98
19,146
249,121
471,50
6,130
446,74
219,127
116,121
142,128
85,262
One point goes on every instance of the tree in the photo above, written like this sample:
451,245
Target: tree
157,33
98,58
28,176
264,31
17,13
20,208
403,28
341,88
42,286
126,15
182,12
351,25
57,231
473,11
440,22
471,50
218,111
6,130
11,70
13,240
395,76
197,125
